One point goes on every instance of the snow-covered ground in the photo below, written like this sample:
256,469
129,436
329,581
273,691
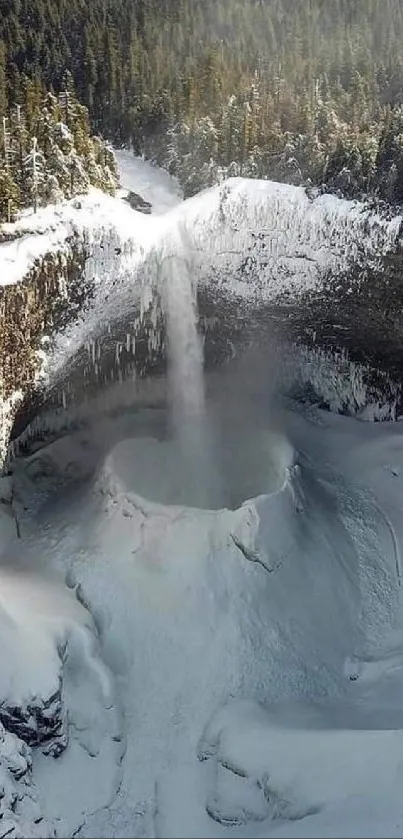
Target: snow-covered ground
151,183
230,671
249,670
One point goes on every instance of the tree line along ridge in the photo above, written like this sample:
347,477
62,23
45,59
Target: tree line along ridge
304,91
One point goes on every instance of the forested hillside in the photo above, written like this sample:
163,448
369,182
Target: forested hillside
48,152
308,91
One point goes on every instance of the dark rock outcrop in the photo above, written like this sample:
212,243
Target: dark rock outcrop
138,203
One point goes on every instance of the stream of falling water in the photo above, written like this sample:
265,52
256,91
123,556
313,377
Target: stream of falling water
190,425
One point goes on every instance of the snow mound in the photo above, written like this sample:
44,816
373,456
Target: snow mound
157,470
20,814
40,624
268,765
37,617
58,696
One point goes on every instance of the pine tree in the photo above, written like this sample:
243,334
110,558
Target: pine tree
3,80
89,79
33,174
279,80
67,99
9,196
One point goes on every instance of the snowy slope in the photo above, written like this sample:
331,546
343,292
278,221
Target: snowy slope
89,217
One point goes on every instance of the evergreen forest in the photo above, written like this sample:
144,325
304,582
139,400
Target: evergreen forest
304,91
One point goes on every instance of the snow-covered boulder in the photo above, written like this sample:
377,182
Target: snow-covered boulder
37,619
20,812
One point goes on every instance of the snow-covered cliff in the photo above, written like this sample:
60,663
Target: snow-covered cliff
246,244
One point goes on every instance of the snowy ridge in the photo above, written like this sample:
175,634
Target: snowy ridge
277,239
251,239
54,227
303,235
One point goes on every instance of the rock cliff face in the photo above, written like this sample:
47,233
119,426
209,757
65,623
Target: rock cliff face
51,295
37,312
48,297
317,360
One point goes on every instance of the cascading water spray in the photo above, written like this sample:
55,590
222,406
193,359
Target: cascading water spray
186,395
